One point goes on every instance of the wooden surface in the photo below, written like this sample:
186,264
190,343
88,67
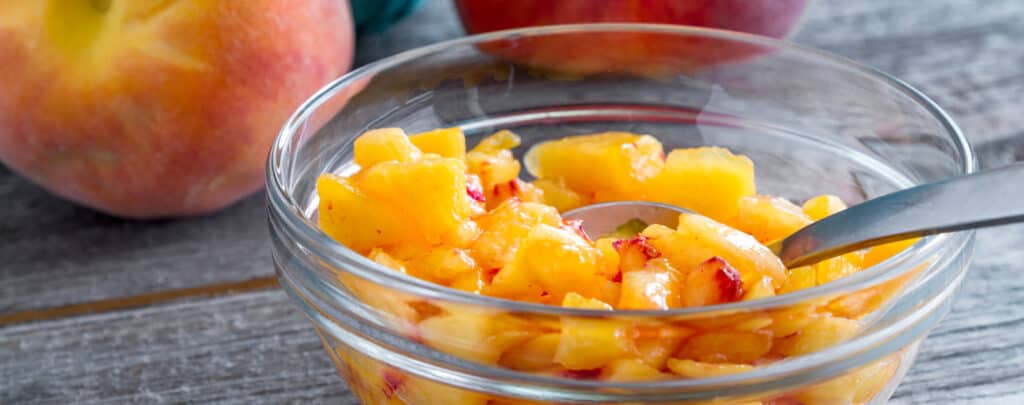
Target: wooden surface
99,310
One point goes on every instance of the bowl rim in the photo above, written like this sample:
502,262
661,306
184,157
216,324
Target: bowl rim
333,253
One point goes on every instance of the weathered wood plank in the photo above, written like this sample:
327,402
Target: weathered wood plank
257,347
965,54
243,349
55,253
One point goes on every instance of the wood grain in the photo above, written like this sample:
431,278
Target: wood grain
258,347
248,348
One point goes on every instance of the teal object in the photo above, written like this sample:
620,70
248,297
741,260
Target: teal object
377,15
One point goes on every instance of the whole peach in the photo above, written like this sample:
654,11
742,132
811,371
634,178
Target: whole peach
647,53
774,18
146,108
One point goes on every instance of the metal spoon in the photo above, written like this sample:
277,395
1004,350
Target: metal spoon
987,198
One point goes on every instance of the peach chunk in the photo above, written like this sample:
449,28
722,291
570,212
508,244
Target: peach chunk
656,286
559,261
880,253
441,264
706,180
654,344
505,227
769,218
558,195
696,369
434,189
699,238
635,252
712,282
822,206
446,142
470,335
384,145
535,354
514,188
606,166
726,347
589,343
492,160
626,370
415,390
353,219
854,387
819,333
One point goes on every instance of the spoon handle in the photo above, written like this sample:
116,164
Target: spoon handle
987,198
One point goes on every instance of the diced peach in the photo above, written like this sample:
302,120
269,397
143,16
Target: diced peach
769,218
607,165
627,370
790,320
387,260
434,189
857,304
834,268
587,344
654,345
417,390
800,278
753,324
473,281
817,334
635,252
560,261
389,305
656,286
857,386
558,195
878,254
712,282
822,206
535,354
384,145
441,264
505,227
369,379
706,180
477,197
608,262
762,288
446,142
726,347
492,160
699,238
479,337
352,218
516,283
696,369
874,377
514,188
498,141
608,291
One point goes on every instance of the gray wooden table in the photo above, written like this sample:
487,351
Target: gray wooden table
100,310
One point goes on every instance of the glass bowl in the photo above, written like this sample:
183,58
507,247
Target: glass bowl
812,123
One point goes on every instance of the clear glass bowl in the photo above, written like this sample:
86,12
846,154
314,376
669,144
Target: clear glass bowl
811,122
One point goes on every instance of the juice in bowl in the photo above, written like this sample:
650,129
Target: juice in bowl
415,212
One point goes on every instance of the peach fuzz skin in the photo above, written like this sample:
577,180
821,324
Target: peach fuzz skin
158,108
